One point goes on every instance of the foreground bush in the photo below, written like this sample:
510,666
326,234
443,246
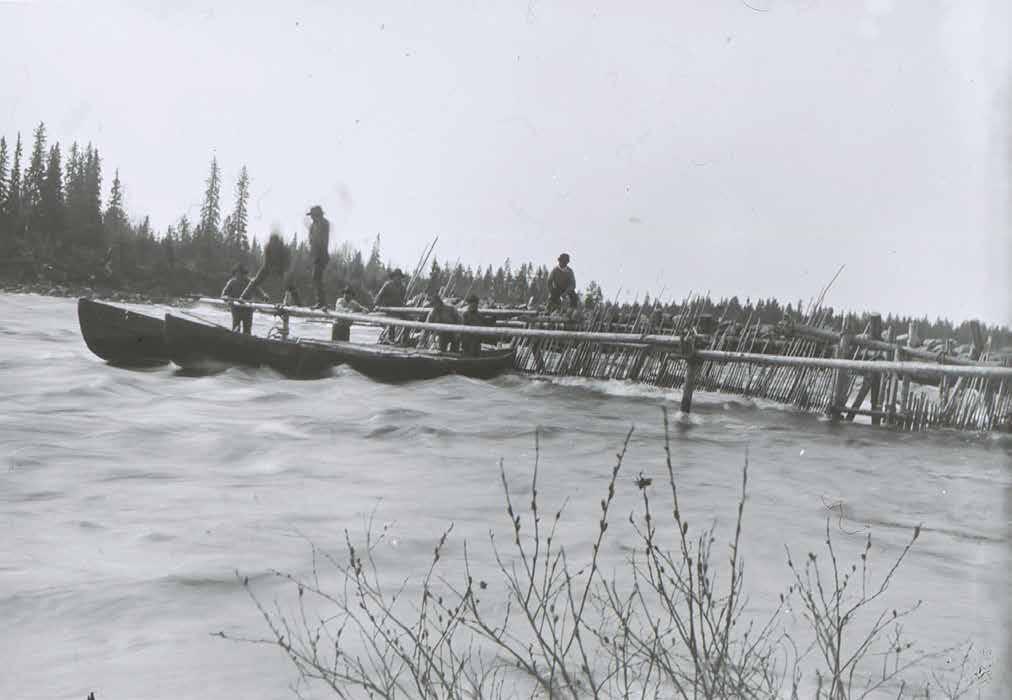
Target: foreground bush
665,626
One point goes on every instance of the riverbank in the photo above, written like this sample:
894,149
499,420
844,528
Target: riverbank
56,289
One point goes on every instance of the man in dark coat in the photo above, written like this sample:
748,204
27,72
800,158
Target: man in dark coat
392,291
562,283
470,345
441,313
235,290
319,244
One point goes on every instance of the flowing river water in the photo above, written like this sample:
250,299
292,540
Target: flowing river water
129,498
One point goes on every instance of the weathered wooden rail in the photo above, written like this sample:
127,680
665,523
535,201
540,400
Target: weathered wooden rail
805,365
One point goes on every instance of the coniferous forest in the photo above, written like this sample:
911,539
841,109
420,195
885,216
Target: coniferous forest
65,229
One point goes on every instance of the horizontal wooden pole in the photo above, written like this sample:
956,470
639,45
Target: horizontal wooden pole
424,310
864,341
872,366
868,366
484,331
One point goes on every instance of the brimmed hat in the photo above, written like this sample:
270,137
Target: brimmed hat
315,209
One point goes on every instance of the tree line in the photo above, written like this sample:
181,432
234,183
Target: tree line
56,226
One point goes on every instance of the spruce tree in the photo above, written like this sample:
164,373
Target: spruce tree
239,218
373,274
185,231
12,205
4,157
34,177
228,232
435,278
91,197
51,205
115,218
73,187
210,210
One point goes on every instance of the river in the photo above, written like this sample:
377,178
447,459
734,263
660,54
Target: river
129,498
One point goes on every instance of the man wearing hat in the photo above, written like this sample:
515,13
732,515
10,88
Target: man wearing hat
392,291
319,243
470,345
561,283
346,303
242,316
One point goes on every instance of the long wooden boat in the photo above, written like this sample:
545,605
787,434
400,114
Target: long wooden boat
120,336
204,348
398,364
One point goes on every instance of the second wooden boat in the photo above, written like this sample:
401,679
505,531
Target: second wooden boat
206,348
399,364
203,347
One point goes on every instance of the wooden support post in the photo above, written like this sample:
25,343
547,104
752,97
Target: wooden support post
862,394
693,365
538,359
841,387
893,391
913,337
977,339
691,375
875,380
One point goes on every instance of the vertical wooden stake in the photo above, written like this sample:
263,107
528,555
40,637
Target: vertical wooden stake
875,380
893,387
977,340
538,359
692,366
691,375
913,337
841,387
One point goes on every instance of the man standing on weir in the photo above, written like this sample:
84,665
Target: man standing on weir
561,283
319,242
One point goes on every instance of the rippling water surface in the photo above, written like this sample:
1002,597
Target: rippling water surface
128,499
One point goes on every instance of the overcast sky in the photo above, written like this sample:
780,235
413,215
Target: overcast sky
745,147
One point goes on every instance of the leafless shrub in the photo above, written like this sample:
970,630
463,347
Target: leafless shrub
667,625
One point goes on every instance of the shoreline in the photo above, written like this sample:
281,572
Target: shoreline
57,289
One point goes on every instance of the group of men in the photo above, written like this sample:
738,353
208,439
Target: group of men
561,286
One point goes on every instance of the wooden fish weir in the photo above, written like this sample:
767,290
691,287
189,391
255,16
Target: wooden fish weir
807,365
909,389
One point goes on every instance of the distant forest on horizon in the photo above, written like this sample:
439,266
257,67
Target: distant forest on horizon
56,226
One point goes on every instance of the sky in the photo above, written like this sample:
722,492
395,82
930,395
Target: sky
740,147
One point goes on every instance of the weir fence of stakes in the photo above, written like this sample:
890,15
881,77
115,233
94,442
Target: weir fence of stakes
806,364
903,395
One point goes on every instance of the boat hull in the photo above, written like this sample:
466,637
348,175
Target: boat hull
395,364
203,348
122,337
